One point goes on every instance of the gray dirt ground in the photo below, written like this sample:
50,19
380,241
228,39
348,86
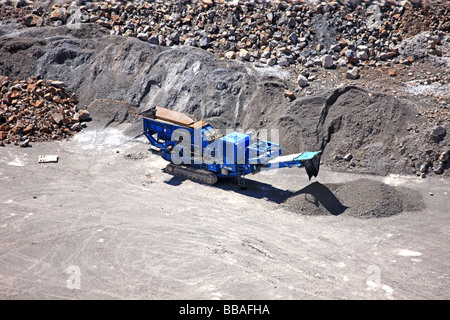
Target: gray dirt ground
107,210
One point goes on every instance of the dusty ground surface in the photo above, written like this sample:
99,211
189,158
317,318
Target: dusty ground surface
103,223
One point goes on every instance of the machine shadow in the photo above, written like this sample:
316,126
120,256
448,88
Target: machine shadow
321,195
175,180
255,189
315,193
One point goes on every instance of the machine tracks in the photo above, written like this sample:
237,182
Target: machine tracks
194,174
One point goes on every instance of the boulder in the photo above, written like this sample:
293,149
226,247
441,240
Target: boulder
327,61
438,133
348,157
353,73
83,115
302,81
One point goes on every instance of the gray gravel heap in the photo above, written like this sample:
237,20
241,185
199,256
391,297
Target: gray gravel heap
363,198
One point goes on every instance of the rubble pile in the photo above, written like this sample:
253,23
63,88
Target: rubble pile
37,110
283,33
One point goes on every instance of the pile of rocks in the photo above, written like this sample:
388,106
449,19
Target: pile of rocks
328,33
37,110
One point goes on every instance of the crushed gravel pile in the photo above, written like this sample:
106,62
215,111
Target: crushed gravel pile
363,198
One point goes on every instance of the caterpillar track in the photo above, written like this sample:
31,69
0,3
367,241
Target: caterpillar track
193,174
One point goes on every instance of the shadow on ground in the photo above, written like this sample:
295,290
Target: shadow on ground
315,193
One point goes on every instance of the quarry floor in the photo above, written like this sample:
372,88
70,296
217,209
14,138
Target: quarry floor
106,222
